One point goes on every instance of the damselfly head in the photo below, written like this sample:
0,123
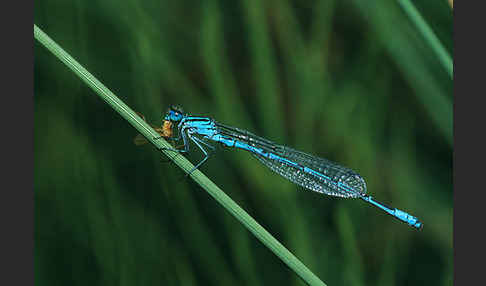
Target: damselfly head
174,114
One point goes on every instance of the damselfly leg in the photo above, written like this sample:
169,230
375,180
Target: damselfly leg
175,139
198,143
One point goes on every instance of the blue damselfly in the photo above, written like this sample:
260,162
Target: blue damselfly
311,172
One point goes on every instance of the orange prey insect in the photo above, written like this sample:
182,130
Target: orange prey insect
165,131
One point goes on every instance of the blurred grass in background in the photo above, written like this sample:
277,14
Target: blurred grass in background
351,81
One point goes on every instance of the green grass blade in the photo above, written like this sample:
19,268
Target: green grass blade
243,217
429,35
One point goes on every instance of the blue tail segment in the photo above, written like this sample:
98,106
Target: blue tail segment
401,215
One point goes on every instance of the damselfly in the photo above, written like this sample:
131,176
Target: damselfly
311,172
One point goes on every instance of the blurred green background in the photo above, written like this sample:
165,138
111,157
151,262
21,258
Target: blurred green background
351,81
